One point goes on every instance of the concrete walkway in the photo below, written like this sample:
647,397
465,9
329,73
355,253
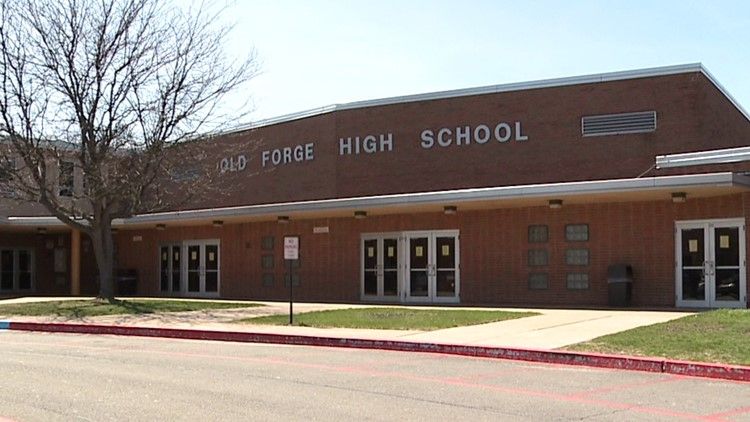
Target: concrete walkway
553,328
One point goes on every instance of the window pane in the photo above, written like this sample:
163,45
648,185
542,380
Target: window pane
65,179
266,262
266,243
577,257
371,253
295,280
538,281
164,268
268,279
212,281
577,232
538,234
578,281
212,257
538,257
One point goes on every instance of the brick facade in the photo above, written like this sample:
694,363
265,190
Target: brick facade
692,115
494,247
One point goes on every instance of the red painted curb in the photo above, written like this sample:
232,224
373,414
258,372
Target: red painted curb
697,369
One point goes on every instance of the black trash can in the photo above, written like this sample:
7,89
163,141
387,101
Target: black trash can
126,282
620,283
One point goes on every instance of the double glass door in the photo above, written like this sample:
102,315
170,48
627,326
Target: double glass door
411,266
190,268
16,270
380,266
711,264
432,262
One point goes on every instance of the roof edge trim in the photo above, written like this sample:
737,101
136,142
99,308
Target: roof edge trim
560,190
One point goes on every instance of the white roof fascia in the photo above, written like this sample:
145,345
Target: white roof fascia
455,196
724,91
716,156
557,190
491,89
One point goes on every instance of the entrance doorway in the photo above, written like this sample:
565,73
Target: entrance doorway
419,266
16,270
190,268
710,264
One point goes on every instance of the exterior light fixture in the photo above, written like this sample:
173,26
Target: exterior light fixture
161,227
450,209
217,223
555,203
41,230
283,219
679,197
360,214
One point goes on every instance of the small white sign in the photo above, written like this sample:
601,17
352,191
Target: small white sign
291,247
320,229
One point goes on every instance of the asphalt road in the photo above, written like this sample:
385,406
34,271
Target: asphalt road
48,377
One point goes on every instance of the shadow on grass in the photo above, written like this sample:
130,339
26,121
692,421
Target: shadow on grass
132,307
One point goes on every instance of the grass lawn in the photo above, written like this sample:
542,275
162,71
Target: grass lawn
87,308
390,318
715,336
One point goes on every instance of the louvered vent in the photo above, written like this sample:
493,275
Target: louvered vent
618,124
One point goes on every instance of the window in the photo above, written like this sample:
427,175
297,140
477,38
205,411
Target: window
7,170
266,262
577,232
295,279
578,281
577,257
268,279
538,281
538,257
538,234
65,178
266,243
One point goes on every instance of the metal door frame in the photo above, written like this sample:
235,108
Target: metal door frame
709,234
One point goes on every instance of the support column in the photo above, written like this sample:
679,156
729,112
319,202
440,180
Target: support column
75,262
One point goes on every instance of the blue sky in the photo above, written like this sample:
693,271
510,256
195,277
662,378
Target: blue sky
316,53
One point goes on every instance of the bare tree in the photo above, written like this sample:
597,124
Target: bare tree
106,89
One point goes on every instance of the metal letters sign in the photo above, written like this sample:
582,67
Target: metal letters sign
291,247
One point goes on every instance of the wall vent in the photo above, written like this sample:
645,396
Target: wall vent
618,124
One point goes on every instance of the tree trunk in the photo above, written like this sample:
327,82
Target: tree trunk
101,238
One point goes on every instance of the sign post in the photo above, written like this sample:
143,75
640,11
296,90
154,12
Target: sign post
291,253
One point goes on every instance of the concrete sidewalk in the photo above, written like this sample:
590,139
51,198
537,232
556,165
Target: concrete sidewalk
552,329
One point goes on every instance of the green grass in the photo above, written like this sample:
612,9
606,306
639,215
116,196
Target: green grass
390,318
95,307
716,336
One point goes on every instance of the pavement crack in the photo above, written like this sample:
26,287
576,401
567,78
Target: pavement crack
571,323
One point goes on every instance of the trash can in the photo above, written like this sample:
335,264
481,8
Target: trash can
126,282
620,284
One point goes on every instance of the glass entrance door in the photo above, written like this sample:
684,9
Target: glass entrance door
711,264
16,270
432,267
191,268
380,267
169,264
419,268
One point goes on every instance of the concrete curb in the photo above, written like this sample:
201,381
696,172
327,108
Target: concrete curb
676,367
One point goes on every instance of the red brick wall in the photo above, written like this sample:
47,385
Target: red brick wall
692,115
493,255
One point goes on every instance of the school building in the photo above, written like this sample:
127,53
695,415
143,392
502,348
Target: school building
516,194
